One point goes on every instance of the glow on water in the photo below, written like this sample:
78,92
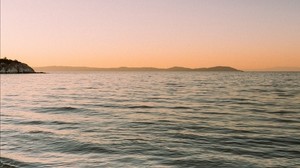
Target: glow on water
150,119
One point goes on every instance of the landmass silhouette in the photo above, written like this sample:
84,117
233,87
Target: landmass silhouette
70,68
8,66
14,66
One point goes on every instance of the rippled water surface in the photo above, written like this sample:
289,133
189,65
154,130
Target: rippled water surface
150,119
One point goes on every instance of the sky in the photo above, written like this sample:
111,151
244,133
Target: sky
245,34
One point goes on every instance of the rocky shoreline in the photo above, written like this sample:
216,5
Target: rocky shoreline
8,66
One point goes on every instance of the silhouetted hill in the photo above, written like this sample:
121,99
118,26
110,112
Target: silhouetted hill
8,66
179,69
69,68
217,68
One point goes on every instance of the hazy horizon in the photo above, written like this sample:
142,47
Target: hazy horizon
247,35
88,67
177,66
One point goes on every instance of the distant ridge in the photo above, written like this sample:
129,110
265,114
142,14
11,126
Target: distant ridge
70,68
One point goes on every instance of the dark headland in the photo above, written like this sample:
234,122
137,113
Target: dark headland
70,68
8,66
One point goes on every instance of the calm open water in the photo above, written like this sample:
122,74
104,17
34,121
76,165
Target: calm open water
150,119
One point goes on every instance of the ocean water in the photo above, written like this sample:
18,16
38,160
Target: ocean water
150,119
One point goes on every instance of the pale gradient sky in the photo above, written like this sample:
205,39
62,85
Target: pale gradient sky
246,34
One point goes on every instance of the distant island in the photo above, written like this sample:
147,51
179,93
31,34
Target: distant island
69,68
8,66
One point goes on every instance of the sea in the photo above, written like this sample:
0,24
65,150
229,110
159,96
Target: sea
150,119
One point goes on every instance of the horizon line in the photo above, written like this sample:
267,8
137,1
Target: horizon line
124,68
277,68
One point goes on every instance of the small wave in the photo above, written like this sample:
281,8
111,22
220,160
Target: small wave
59,88
89,88
11,163
107,106
59,109
143,123
6,165
218,113
71,146
286,120
61,123
143,107
65,108
185,162
281,120
244,152
44,123
40,132
171,84
279,141
140,107
282,112
181,107
32,122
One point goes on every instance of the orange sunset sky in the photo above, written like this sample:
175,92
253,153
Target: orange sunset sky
245,34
